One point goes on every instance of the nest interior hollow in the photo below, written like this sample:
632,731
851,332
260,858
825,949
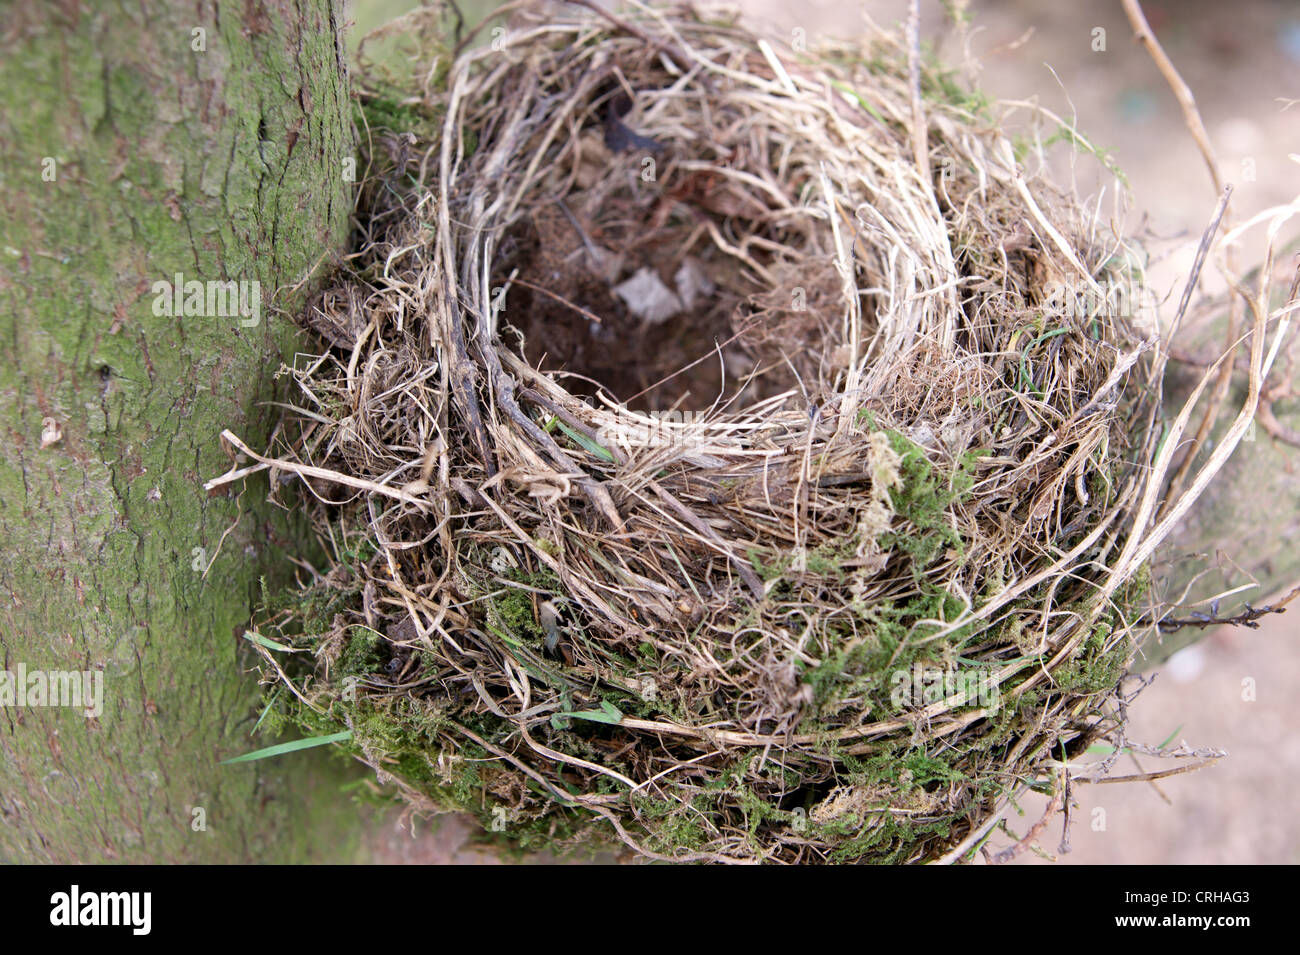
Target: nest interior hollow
728,480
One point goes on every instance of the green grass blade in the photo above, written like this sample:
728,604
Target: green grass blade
267,642
584,442
853,94
1170,738
291,747
266,709
608,713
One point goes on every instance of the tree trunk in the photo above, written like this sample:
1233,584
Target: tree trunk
1242,531
138,143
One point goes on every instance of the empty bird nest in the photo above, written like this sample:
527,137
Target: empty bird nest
722,450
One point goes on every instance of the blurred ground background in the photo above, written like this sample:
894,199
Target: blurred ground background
1242,62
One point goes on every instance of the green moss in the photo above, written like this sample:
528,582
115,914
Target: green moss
513,611
924,501
1098,664
218,165
1068,134
670,829
361,655
383,112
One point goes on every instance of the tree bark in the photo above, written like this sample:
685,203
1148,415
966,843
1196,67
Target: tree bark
139,142
1242,533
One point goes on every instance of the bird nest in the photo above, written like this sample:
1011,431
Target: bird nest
726,451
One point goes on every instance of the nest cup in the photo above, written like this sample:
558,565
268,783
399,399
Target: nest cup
723,449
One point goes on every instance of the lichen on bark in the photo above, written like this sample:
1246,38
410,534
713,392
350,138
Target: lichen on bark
137,143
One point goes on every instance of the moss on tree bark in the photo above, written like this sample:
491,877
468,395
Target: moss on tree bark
137,143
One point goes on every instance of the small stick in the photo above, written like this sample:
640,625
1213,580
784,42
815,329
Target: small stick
1247,618
920,143
1192,117
1148,777
1064,847
666,48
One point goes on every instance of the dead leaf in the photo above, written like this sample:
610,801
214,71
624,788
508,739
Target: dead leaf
648,298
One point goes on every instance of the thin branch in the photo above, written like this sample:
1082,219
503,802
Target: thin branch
1247,618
